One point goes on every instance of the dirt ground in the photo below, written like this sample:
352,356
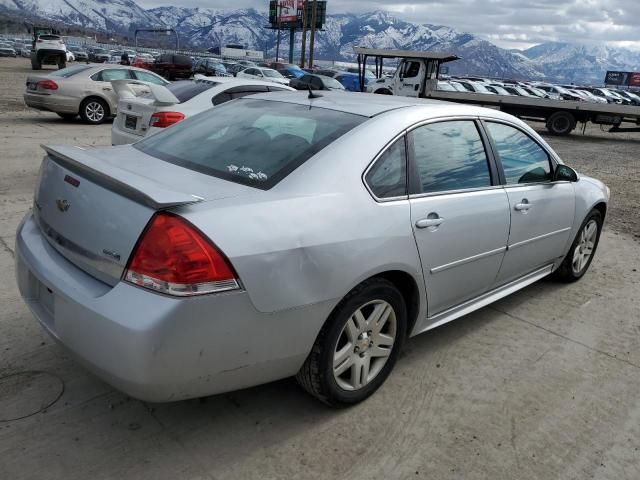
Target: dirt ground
543,384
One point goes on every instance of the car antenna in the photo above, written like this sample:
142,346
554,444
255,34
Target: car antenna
313,95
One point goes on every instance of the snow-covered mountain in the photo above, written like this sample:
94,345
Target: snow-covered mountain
581,63
204,28
118,16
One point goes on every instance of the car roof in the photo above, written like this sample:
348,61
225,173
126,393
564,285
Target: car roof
234,81
370,104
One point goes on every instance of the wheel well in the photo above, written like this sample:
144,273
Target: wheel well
409,289
96,97
602,208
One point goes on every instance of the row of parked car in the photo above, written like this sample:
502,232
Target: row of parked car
539,90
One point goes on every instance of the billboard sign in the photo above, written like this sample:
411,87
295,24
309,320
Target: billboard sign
616,78
289,13
634,79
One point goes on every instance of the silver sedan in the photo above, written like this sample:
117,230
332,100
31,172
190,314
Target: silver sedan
283,235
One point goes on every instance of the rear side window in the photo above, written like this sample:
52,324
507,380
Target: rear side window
450,156
387,177
523,160
111,74
70,71
187,89
250,141
148,77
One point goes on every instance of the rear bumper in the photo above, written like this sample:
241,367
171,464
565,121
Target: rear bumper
154,347
122,137
51,103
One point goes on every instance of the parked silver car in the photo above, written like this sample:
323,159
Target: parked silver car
83,90
281,235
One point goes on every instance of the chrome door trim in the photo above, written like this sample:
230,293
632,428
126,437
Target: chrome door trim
539,237
463,261
487,298
455,192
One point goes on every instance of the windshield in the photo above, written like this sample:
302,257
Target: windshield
458,86
272,74
562,90
499,90
446,87
249,141
332,83
70,71
480,87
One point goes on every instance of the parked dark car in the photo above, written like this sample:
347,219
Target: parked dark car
210,67
99,55
233,67
79,53
316,82
172,66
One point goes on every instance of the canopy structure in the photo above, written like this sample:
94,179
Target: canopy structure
434,59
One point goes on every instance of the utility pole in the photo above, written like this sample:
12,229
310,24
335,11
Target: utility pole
304,34
279,11
314,8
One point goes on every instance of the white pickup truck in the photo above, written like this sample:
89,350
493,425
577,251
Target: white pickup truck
417,76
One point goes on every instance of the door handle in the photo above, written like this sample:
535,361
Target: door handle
523,206
106,89
429,222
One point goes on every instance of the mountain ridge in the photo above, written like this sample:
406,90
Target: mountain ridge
203,28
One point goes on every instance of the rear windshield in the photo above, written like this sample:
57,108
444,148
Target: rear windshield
49,37
70,71
250,141
187,89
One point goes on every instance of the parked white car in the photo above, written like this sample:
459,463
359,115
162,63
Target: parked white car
266,74
139,116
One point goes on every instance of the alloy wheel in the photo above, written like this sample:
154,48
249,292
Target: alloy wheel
94,111
585,247
364,345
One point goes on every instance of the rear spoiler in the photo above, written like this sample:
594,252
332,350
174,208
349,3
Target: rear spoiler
135,187
162,96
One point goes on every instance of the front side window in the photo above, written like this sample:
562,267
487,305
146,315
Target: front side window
250,141
411,69
523,160
450,156
387,178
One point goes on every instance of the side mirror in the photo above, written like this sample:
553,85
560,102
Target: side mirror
564,173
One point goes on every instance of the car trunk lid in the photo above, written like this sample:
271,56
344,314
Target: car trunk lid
93,204
137,105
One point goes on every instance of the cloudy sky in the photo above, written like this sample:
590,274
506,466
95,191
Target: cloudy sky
508,23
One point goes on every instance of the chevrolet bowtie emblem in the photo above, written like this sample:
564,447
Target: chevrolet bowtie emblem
62,204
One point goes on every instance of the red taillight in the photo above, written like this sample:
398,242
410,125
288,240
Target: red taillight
165,119
174,257
48,84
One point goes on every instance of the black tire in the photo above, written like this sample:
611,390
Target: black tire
62,63
566,271
561,123
67,116
90,105
383,91
36,64
316,375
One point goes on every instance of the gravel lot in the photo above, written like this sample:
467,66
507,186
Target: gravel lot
541,385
